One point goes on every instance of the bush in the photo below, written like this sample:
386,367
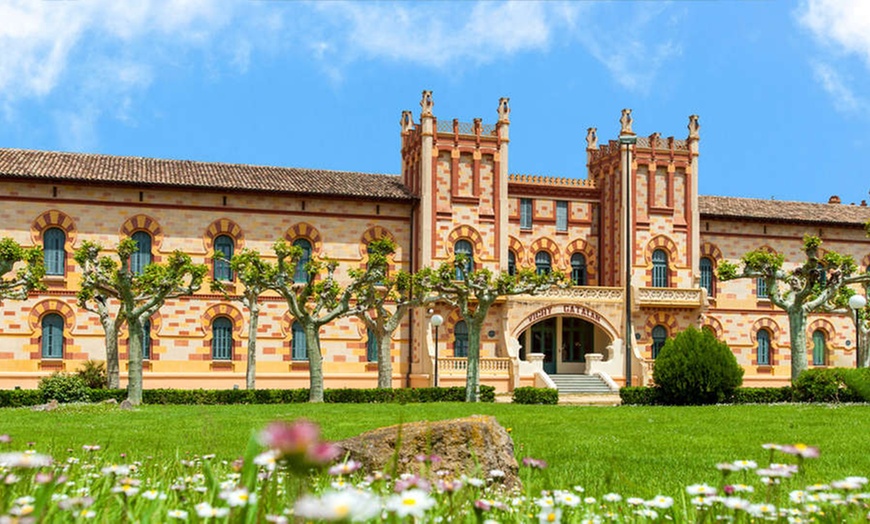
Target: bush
762,395
63,387
833,385
695,368
530,395
17,398
639,396
93,372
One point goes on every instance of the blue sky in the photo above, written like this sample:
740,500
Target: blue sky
780,86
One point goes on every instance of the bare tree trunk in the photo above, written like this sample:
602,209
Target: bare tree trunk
864,344
134,374
472,377
385,361
251,371
113,372
797,326
315,363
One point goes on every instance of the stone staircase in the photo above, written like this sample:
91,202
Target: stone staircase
581,385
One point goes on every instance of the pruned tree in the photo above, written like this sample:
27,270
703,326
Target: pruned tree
383,300
815,285
139,296
255,275
27,277
317,301
472,292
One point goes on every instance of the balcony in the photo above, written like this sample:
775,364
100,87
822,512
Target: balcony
584,293
489,366
669,297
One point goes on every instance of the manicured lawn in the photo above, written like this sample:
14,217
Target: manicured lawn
639,451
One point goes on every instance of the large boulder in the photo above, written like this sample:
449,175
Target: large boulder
474,446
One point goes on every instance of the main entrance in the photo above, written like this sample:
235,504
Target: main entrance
564,342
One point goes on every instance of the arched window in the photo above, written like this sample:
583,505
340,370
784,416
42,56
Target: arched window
223,245
463,247
761,288
301,274
819,350
142,256
660,268
222,339
52,336
578,269
146,340
371,346
460,339
298,344
659,336
763,352
512,263
543,263
706,267
53,243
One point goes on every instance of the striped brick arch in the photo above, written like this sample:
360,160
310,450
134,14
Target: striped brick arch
50,219
143,223
768,324
715,326
519,250
223,226
712,252
222,310
581,246
823,325
662,242
371,234
658,319
466,233
550,246
308,232
52,305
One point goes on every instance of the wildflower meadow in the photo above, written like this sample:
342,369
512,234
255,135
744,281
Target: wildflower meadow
280,465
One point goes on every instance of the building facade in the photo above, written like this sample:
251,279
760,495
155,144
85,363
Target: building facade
640,245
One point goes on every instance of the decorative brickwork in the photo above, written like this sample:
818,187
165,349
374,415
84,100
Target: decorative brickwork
466,233
149,225
712,252
519,251
665,243
308,232
714,325
550,246
770,325
221,310
581,246
50,219
156,348
34,320
223,226
666,320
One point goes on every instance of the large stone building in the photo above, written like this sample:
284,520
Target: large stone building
455,194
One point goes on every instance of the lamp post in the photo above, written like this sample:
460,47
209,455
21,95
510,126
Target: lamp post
857,303
627,140
436,321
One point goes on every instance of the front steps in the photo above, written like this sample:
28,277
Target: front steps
581,384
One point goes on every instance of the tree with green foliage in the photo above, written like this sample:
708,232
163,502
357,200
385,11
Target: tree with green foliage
695,368
139,296
472,292
383,300
255,275
815,285
28,277
317,301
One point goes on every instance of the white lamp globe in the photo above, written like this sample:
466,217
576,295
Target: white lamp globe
437,320
857,302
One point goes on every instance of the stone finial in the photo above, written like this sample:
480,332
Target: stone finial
694,127
407,121
592,138
426,103
626,120
504,110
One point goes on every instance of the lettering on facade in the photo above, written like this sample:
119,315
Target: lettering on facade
541,313
572,309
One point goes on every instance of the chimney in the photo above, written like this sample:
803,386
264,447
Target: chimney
863,203
834,199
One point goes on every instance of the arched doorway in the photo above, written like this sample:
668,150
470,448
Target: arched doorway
564,341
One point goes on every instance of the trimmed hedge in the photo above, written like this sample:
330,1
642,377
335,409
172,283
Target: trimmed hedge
531,395
833,385
762,395
639,396
32,397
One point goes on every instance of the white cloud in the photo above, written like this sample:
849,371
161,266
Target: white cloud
845,99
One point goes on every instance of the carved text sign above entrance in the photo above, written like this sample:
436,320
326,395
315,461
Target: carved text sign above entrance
574,310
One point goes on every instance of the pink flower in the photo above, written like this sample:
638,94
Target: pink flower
5,439
534,463
801,450
345,468
290,439
322,453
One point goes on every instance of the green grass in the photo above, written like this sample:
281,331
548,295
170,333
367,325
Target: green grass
639,451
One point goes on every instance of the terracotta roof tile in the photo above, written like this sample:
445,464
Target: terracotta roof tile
79,167
784,211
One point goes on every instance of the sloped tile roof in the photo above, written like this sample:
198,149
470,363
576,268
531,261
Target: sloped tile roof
91,168
782,211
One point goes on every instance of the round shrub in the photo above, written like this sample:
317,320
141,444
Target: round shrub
63,387
695,368
93,372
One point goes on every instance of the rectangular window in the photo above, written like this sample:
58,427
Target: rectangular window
761,288
561,215
525,213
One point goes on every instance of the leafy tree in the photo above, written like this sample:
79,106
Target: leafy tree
28,276
696,368
316,302
256,275
815,285
139,296
473,294
383,301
